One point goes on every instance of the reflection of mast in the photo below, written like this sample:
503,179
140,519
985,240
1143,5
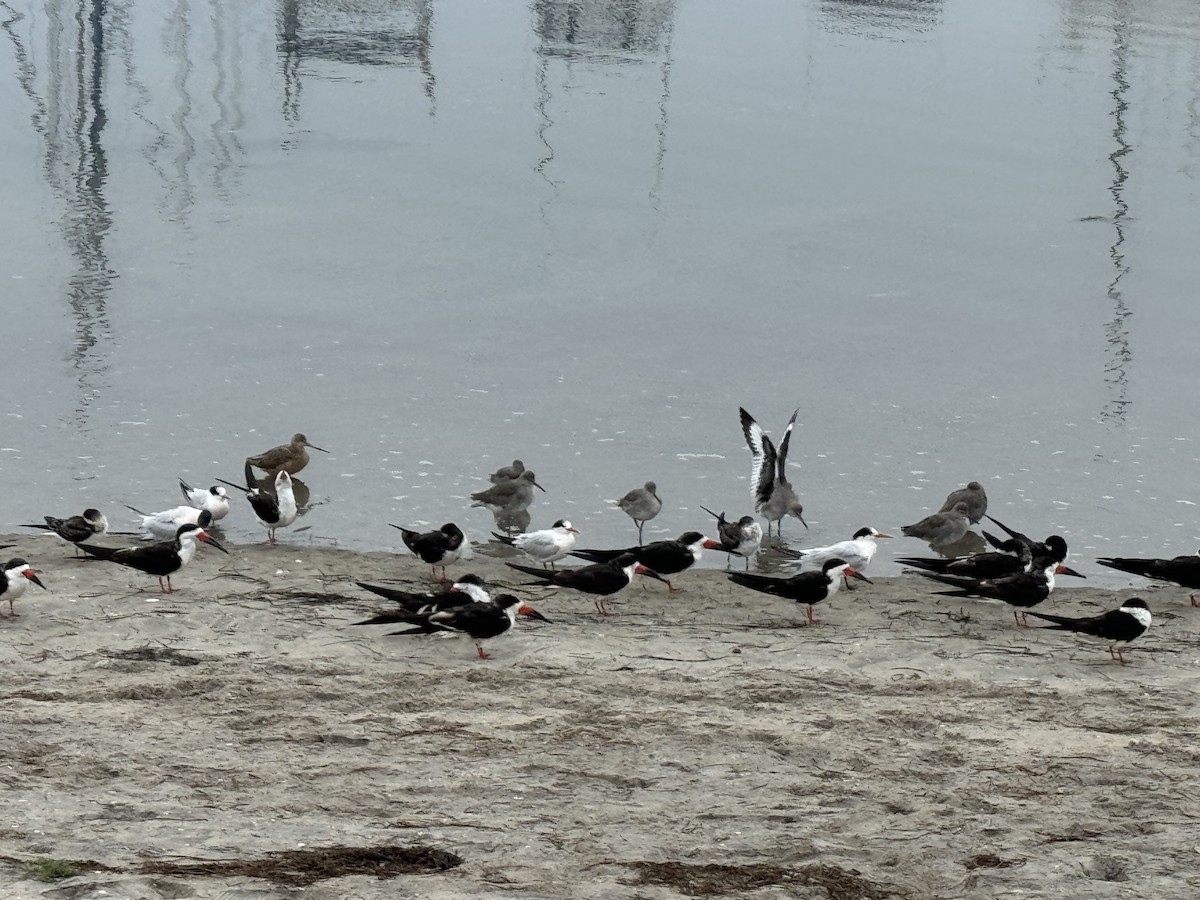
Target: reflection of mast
289,46
1116,374
179,42
70,123
660,126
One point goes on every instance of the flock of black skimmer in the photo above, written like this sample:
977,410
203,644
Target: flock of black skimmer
1018,571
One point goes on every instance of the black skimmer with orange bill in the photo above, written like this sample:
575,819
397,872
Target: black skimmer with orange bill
774,496
17,575
162,559
290,457
809,588
277,510
507,473
661,557
741,538
1014,559
1054,546
858,551
1021,591
437,548
602,579
478,621
973,495
213,500
546,546
75,529
1182,570
1118,626
941,528
641,504
164,525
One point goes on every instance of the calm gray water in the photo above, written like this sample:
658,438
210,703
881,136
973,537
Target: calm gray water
959,236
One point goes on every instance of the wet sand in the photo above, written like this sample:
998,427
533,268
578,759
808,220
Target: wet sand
707,743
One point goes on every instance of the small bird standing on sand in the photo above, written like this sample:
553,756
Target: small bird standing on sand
641,504
163,559
809,588
602,579
858,551
741,538
1021,591
437,548
1120,626
75,528
973,495
661,557
162,526
17,575
547,546
290,457
1182,570
774,497
214,500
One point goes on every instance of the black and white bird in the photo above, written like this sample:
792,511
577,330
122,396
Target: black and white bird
661,557
858,551
546,546
1118,626
1054,546
437,548
467,589
641,504
75,529
162,559
809,588
478,621
1182,570
1021,591
1015,558
774,496
17,575
213,500
277,510
164,525
601,580
741,538
973,495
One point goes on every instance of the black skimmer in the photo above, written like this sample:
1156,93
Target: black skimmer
75,528
547,546
162,559
478,621
741,538
601,579
774,497
858,551
1182,570
973,495
1054,546
1119,626
17,575
437,548
806,587
468,589
1021,591
661,557
507,473
273,511
941,528
1014,560
506,498
214,500
641,505
163,526
290,457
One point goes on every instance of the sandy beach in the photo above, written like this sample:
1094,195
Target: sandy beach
705,743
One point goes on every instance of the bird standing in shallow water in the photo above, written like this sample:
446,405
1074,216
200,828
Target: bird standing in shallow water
641,504
273,511
774,497
974,496
290,457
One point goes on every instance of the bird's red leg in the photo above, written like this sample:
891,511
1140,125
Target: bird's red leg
601,610
671,589
808,614
1193,599
483,654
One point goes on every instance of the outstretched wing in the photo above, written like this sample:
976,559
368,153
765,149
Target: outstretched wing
783,445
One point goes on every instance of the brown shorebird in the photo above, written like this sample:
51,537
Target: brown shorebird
641,505
974,496
507,473
290,458
941,528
